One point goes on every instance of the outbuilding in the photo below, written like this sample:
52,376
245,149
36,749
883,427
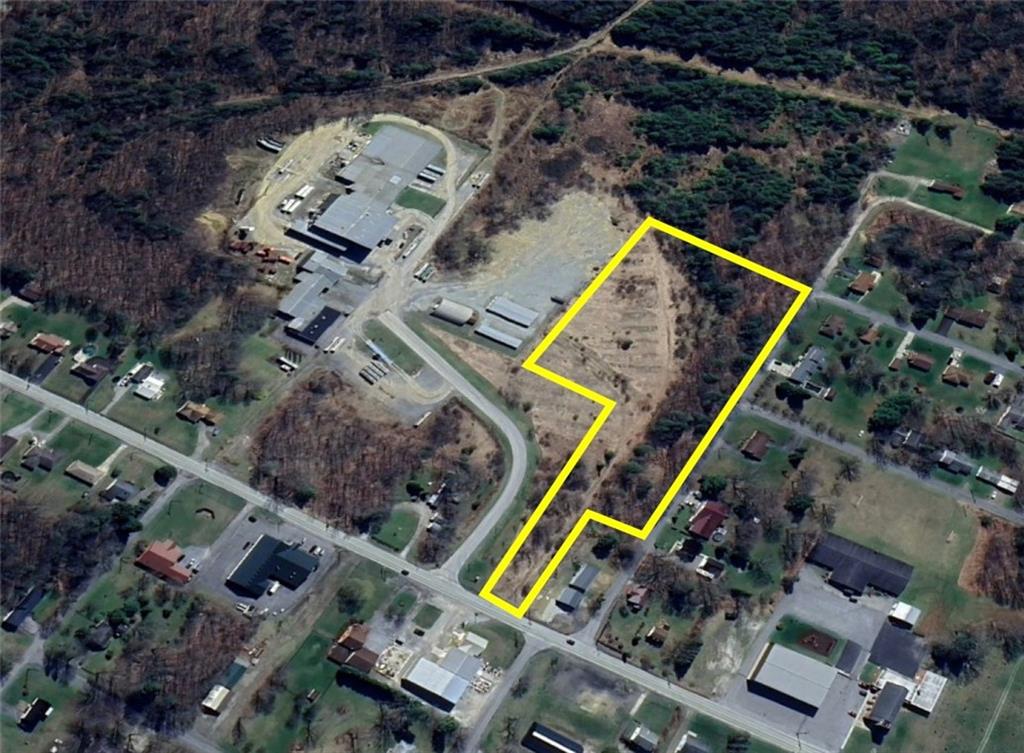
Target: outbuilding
453,312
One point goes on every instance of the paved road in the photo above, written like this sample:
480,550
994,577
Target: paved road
996,362
440,582
516,442
511,675
948,490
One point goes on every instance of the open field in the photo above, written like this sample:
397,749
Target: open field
959,722
410,198
195,516
16,409
961,160
397,350
81,443
32,684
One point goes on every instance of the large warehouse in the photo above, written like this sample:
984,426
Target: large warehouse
355,222
791,678
855,567
443,685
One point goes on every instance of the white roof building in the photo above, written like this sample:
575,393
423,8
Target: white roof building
152,387
790,673
904,614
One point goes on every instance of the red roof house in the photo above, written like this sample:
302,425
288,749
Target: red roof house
161,558
708,519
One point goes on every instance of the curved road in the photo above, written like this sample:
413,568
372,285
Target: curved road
517,444
538,637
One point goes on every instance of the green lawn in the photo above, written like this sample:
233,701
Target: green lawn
961,718
656,713
888,186
558,694
398,530
790,632
341,707
717,736
32,683
81,443
411,198
195,515
503,642
427,615
961,160
16,409
396,349
157,419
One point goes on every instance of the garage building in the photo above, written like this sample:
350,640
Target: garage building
791,678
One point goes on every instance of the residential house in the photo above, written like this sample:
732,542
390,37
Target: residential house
84,473
49,344
93,370
956,376
640,738
163,558
35,714
919,361
871,335
636,596
954,463
40,457
196,412
864,283
119,491
708,519
975,318
834,326
756,446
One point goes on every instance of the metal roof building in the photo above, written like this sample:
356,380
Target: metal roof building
354,223
583,578
311,331
887,705
453,312
434,684
502,338
541,739
512,311
271,559
792,675
855,567
898,650
570,599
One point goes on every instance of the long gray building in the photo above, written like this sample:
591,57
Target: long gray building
355,222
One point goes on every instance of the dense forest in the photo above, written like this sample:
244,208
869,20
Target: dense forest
961,56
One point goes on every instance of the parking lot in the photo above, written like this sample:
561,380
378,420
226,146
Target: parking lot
815,602
219,560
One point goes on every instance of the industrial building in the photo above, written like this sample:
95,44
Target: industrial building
791,678
443,684
496,335
854,567
453,312
267,560
311,331
887,705
353,223
511,311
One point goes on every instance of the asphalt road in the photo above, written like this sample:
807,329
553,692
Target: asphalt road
514,438
997,363
440,582
947,490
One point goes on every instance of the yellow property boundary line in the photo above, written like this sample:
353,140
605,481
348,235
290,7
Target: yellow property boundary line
608,405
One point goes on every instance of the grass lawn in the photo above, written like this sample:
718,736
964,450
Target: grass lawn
398,529
16,409
157,419
396,349
195,516
571,699
791,631
47,422
81,443
626,630
411,198
717,736
889,186
341,706
930,532
961,160
961,718
503,642
656,713
30,684
427,615
402,604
